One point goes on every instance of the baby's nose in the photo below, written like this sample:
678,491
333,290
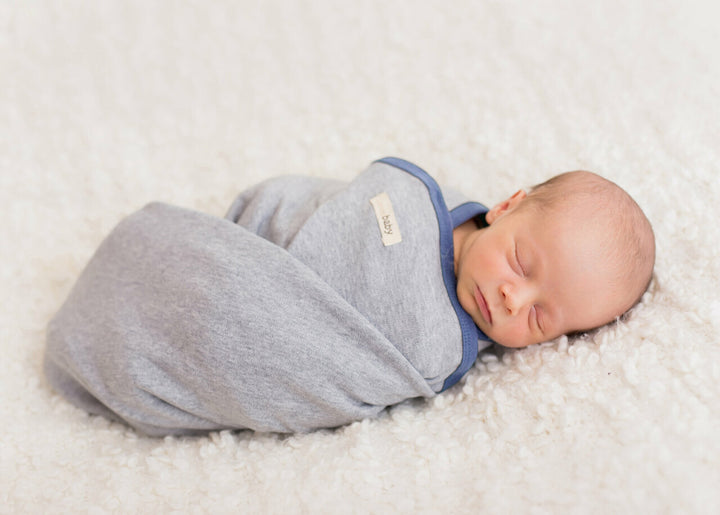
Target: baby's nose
513,298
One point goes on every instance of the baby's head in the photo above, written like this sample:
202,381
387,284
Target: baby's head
574,254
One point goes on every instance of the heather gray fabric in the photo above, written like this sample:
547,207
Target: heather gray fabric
288,315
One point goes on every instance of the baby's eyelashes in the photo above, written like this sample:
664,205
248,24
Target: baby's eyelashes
533,318
535,312
517,266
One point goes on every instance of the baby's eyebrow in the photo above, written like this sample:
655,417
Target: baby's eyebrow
532,258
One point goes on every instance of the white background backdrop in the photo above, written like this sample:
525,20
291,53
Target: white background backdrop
105,106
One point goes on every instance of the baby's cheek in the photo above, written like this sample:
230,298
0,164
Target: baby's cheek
515,335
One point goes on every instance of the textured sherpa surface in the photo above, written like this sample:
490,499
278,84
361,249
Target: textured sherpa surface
105,106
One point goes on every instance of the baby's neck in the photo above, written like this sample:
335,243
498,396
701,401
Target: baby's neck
460,234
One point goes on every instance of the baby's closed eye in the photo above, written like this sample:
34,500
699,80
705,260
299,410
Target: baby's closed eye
515,262
536,318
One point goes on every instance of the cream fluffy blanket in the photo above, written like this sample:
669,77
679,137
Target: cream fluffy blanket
105,106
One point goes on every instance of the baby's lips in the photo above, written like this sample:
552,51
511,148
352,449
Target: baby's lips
483,305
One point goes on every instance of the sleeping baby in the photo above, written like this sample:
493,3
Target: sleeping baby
315,302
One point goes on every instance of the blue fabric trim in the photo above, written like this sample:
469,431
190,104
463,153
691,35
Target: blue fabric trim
466,211
447,222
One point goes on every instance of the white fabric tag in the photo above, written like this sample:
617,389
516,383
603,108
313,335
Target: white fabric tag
385,215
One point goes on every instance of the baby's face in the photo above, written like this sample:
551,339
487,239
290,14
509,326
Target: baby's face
529,278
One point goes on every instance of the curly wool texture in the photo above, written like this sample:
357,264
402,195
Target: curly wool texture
106,107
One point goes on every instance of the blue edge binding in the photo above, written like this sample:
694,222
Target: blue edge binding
447,221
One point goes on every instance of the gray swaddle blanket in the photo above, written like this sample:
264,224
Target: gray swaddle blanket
312,304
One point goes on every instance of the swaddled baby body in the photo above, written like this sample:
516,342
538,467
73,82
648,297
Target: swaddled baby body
315,303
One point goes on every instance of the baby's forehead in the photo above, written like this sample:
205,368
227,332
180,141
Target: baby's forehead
570,235
572,213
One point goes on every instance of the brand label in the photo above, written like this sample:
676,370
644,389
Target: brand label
389,230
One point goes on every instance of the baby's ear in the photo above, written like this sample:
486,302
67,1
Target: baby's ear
505,206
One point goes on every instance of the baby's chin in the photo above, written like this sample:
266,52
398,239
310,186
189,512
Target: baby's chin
514,345
506,341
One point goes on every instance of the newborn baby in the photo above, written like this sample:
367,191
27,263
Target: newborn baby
315,303
575,254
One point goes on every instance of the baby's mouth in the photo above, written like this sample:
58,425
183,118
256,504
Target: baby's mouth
482,304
